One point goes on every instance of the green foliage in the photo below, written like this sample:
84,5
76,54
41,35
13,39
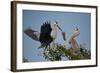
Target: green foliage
57,51
52,53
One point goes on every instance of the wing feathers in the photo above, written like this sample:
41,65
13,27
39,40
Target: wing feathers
32,34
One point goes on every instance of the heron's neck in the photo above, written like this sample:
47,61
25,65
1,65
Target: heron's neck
54,33
76,33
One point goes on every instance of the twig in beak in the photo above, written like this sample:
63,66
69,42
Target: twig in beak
64,36
63,33
59,28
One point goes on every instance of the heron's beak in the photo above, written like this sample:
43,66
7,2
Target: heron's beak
59,28
63,33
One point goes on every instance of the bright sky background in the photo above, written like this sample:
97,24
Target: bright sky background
68,21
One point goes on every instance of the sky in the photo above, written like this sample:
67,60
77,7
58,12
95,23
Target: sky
68,21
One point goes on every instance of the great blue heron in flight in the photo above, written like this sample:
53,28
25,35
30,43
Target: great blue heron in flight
47,34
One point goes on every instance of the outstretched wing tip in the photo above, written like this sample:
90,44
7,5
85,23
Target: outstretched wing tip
32,34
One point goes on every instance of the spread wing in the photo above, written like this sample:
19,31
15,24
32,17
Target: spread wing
45,37
32,34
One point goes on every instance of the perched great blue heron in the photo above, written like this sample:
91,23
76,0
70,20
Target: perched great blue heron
47,34
73,42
